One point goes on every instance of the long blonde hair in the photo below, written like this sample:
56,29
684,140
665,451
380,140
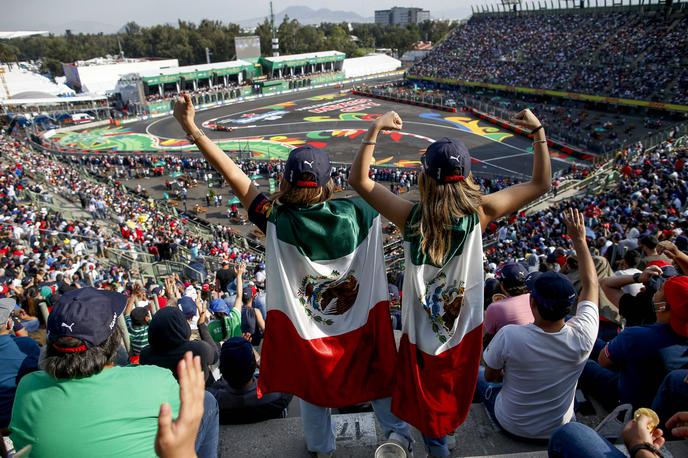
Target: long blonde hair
441,204
292,195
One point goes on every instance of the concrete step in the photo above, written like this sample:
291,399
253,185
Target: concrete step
358,435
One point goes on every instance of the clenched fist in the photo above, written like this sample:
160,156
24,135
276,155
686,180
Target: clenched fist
389,121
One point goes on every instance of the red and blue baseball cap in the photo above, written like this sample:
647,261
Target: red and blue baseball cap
447,160
553,292
87,314
307,167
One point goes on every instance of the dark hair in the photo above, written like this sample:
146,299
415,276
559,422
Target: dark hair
515,290
551,314
649,241
632,258
83,364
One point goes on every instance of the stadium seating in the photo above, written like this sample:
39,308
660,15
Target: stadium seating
635,54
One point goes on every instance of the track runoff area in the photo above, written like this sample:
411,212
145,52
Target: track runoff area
331,119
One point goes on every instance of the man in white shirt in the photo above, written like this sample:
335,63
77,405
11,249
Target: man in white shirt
629,266
540,363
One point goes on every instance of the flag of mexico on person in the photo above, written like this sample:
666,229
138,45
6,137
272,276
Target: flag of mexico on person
441,343
329,337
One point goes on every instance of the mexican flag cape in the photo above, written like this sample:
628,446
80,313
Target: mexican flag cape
328,336
441,344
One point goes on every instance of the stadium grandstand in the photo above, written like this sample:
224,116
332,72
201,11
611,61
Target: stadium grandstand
483,255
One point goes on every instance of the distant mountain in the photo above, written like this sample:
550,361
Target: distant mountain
306,15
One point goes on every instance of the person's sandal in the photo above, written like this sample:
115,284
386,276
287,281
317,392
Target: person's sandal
611,428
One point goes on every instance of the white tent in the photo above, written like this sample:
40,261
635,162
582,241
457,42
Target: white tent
369,65
19,81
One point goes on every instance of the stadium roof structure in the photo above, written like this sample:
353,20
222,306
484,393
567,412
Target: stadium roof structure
297,60
192,72
21,33
47,100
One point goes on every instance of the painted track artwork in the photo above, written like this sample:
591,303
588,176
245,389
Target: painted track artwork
269,128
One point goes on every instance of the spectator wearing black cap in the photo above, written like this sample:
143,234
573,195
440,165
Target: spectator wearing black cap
236,391
137,320
81,404
511,303
631,367
169,336
19,355
252,320
540,363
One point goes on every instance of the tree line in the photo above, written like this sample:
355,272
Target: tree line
187,41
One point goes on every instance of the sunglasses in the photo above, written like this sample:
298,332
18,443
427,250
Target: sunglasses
660,306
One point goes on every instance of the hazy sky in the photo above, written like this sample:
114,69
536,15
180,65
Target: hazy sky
56,15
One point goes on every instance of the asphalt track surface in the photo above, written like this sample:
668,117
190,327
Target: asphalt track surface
335,120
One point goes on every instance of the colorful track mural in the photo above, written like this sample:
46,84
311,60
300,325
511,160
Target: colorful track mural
332,121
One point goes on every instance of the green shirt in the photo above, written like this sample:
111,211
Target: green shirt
138,336
233,323
111,414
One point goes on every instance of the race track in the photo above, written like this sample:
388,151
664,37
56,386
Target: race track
331,119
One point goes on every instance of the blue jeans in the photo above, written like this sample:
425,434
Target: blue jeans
671,397
437,447
601,383
486,392
209,431
319,431
575,440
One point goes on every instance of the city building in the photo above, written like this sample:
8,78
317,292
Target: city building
401,16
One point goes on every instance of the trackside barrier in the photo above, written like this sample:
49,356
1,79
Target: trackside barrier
561,146
405,101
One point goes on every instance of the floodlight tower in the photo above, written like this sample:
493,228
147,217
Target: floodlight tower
511,4
275,40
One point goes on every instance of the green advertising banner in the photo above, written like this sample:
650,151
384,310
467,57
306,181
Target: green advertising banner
563,94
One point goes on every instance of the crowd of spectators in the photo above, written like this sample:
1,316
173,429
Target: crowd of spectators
634,54
627,299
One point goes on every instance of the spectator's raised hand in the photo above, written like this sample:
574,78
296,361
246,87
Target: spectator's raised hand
649,272
184,112
575,225
239,269
678,424
668,248
389,121
637,432
526,119
176,439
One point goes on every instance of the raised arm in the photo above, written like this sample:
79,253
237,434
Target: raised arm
391,206
511,199
670,250
613,286
241,184
239,271
575,225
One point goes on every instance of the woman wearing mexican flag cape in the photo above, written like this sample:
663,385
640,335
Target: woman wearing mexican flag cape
442,304
328,337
